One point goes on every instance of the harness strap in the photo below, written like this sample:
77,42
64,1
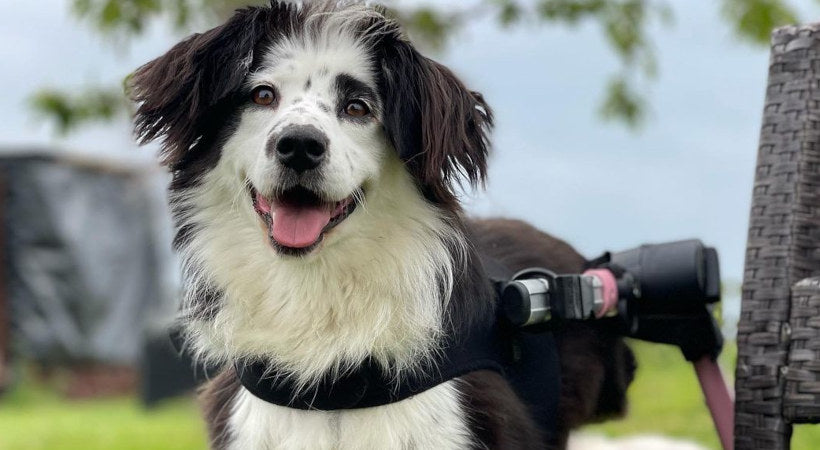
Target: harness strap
368,386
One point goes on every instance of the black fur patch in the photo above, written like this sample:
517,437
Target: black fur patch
438,126
348,88
497,419
181,94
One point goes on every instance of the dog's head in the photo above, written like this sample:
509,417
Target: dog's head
308,108
316,157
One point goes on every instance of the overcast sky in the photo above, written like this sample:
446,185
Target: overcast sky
688,173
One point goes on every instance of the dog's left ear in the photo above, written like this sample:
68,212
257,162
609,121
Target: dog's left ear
177,93
438,126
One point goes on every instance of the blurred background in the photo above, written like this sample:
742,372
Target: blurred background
620,122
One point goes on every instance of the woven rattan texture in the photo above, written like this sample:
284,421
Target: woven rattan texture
783,245
801,401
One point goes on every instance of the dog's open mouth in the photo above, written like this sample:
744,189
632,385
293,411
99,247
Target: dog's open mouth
297,219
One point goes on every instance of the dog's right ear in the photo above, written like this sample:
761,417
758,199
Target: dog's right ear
177,93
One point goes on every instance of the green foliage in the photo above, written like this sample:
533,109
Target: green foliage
127,15
428,26
754,20
68,111
509,12
624,25
129,18
622,102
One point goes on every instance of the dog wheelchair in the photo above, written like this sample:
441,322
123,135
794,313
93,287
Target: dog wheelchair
777,373
661,293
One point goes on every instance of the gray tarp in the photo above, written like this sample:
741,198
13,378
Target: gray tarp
87,256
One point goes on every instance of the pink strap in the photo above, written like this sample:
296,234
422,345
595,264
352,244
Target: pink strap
610,290
718,399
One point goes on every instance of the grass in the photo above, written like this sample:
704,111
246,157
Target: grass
665,399
37,418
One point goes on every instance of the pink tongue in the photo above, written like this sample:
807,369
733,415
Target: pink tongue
298,226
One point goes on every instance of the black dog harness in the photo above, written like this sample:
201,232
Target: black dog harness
367,386
528,360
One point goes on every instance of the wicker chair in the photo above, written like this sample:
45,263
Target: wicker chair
778,365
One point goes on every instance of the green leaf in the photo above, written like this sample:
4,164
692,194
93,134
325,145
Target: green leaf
623,103
509,14
570,11
754,20
54,105
70,111
111,13
624,24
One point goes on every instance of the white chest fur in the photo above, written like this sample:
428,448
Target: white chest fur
434,419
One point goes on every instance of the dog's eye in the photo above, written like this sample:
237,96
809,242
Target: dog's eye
263,95
357,108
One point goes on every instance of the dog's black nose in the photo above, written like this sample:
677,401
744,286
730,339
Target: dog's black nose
301,148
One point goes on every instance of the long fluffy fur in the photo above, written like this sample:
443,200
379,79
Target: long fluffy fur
388,284
329,313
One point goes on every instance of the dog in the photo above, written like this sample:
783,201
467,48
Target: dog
316,160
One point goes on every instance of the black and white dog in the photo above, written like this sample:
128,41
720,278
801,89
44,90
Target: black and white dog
315,158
